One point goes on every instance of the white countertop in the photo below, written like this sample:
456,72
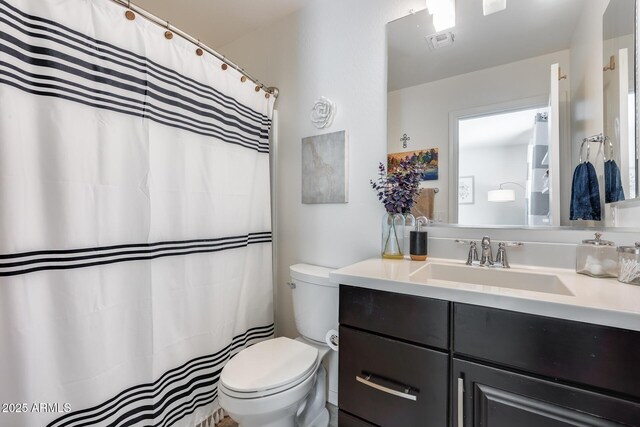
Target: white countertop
599,301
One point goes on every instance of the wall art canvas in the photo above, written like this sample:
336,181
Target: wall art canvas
466,190
324,168
428,159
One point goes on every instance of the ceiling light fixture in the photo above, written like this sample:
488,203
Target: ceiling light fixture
443,12
493,6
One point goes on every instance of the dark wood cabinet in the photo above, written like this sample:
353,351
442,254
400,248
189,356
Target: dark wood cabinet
393,360
528,370
469,365
392,383
596,356
419,320
491,397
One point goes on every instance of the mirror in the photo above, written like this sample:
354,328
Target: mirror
619,98
505,101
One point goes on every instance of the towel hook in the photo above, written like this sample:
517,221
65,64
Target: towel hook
588,140
585,141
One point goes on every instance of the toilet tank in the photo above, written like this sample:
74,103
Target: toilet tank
315,301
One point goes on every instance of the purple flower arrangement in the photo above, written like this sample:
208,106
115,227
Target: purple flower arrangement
398,188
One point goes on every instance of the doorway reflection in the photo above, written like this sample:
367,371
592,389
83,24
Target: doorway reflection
503,168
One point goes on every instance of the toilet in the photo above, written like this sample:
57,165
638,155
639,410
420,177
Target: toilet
281,382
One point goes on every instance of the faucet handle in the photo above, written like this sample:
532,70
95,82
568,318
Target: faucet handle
464,242
473,250
512,244
473,253
501,256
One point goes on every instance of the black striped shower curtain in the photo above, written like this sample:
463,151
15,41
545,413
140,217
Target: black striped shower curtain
135,229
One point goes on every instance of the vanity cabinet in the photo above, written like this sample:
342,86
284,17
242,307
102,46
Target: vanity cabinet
515,368
469,365
394,359
488,396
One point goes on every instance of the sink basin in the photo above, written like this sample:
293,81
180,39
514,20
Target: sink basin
486,276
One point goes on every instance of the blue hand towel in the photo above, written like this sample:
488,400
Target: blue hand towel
585,194
613,191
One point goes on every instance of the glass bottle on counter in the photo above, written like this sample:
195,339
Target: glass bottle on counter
597,258
629,264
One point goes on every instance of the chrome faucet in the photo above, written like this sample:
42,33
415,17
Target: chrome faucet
486,259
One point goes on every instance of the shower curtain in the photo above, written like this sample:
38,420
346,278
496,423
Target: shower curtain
135,229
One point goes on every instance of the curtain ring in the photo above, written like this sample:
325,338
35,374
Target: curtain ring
129,13
243,79
257,88
199,51
224,66
168,34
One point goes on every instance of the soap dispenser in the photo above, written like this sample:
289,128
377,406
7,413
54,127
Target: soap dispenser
418,240
597,258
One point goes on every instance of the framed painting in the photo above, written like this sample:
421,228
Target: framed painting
427,159
324,168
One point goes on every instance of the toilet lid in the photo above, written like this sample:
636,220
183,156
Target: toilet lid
269,364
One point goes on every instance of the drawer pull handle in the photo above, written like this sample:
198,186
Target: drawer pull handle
460,402
367,381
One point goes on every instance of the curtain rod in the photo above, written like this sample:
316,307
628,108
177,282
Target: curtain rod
165,24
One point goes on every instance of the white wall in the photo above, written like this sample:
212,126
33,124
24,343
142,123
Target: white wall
416,112
337,49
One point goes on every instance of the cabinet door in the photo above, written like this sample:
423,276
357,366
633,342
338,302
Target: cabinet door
391,383
490,397
579,353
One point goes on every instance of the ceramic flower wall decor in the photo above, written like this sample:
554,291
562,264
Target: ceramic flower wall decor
323,112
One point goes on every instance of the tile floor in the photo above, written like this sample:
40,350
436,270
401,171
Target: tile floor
333,422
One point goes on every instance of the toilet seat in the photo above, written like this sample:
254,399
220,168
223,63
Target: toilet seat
269,367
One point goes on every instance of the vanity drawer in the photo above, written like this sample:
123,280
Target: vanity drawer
379,379
416,319
599,356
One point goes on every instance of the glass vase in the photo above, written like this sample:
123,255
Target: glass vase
393,236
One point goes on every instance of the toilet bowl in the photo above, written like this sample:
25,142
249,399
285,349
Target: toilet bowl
281,382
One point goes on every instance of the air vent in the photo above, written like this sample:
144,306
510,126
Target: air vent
436,41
